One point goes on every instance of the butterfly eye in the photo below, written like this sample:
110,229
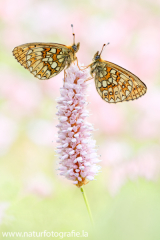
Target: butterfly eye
97,57
74,47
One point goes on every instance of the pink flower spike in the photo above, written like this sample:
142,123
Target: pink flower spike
74,136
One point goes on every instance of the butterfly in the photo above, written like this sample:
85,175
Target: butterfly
46,60
114,83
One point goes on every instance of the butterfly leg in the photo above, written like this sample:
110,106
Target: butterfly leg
88,79
86,67
82,68
65,75
78,65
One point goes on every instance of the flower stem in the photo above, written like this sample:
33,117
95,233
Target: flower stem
87,205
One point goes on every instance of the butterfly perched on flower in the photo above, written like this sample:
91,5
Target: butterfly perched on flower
46,60
114,83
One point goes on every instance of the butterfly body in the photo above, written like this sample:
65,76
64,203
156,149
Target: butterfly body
45,60
114,83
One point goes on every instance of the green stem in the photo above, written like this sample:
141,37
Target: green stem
87,204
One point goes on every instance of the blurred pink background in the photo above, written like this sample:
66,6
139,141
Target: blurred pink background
126,130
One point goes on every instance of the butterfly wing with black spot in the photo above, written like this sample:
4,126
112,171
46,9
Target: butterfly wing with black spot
43,60
116,84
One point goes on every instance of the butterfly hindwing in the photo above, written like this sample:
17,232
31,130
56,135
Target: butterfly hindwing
45,62
42,60
115,84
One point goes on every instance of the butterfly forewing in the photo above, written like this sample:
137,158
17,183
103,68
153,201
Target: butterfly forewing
115,84
42,60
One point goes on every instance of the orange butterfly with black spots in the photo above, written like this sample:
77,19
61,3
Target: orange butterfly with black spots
46,60
114,83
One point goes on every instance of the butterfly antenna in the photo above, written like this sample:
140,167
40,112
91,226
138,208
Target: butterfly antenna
73,34
104,45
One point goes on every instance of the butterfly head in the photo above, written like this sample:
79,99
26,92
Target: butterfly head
96,56
76,47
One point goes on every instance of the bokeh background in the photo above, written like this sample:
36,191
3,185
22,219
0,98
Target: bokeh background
125,198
